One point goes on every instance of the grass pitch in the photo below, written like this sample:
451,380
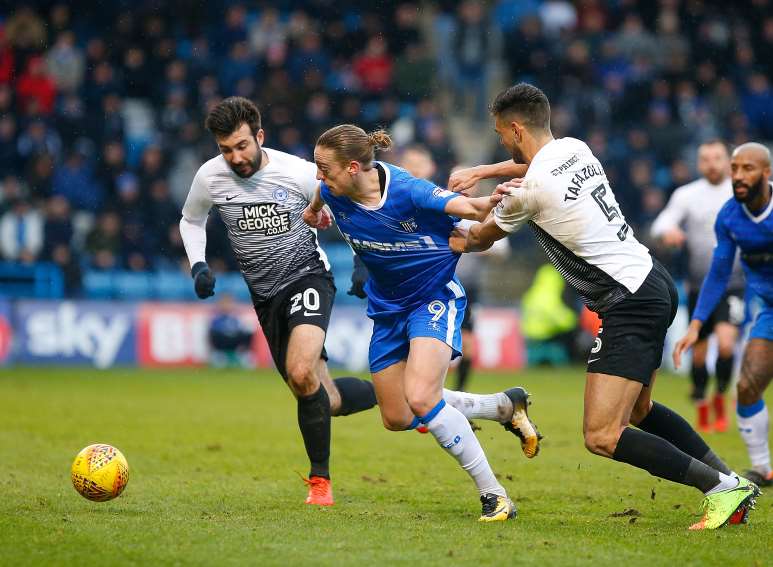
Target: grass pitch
214,456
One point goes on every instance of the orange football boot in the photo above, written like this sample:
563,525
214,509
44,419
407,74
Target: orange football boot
320,491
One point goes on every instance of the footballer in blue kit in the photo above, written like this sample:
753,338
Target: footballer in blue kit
399,227
403,241
745,222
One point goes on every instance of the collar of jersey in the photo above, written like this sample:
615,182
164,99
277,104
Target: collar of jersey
543,152
764,214
386,190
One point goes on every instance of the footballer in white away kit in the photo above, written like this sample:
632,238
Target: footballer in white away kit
688,220
261,195
566,199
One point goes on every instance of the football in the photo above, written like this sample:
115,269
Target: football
100,472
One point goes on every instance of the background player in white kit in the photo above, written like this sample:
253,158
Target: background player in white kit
260,194
566,199
688,220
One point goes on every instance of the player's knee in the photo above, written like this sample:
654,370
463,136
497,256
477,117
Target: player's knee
726,349
601,442
302,378
393,423
753,380
420,404
748,392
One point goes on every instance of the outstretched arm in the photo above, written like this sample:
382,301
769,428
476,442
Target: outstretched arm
466,178
472,208
714,285
479,237
515,208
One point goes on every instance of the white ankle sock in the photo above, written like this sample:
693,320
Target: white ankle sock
754,432
495,407
453,433
725,481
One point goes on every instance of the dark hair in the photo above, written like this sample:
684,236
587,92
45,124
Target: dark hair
229,114
351,143
526,101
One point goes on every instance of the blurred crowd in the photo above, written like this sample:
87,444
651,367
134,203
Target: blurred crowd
102,103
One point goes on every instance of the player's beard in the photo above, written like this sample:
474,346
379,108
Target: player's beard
250,167
752,191
517,155
715,177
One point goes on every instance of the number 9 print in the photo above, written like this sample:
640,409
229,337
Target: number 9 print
437,308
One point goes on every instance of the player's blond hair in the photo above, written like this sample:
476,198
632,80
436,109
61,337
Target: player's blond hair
351,143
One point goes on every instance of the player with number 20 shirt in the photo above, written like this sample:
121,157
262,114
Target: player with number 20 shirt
260,194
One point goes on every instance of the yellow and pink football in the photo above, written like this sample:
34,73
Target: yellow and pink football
100,472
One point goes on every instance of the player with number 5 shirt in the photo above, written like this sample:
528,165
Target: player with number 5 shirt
566,199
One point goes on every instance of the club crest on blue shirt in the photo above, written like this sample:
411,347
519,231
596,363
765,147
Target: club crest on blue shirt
409,225
440,192
280,194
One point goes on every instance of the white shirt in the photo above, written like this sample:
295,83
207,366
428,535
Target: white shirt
694,208
570,206
263,216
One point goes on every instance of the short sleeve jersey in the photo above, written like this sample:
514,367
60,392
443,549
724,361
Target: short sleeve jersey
570,206
403,240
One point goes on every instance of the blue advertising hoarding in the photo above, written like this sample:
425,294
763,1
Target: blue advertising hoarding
100,334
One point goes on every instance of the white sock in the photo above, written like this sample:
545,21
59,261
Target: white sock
496,407
725,481
453,433
754,432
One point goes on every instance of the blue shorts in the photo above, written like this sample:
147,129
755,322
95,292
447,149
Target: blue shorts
762,327
439,318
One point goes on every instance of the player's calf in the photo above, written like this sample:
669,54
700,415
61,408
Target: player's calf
355,395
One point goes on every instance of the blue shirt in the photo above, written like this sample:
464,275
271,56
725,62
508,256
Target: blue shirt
403,240
737,227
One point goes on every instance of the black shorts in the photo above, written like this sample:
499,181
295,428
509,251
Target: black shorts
730,309
307,301
630,341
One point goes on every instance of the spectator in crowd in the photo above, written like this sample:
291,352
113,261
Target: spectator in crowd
21,232
471,54
161,213
65,63
75,181
103,242
373,68
35,90
38,138
415,73
82,106
57,230
9,156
